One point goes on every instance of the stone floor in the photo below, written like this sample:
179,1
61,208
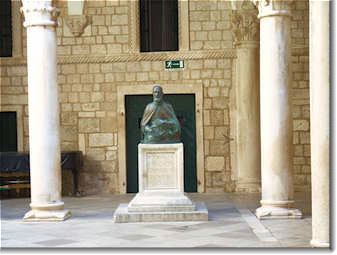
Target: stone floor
231,224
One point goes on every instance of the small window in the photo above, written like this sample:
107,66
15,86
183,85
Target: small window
8,132
158,25
5,28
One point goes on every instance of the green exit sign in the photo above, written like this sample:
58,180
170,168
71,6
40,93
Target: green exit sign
173,64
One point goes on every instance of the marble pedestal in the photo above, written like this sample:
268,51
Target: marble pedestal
161,188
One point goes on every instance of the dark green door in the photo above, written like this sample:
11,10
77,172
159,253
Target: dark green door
184,107
8,135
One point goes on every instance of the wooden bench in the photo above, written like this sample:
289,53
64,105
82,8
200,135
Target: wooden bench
15,169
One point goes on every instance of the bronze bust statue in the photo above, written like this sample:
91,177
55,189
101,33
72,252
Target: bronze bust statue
159,123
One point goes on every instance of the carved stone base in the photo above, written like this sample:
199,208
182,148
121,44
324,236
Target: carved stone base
273,212
161,194
319,244
48,212
161,202
123,215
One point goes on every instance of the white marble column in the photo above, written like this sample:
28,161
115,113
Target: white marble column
43,105
275,111
319,119
245,29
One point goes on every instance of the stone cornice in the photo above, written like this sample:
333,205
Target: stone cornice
218,54
273,7
39,13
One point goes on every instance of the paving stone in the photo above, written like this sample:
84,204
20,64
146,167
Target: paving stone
135,237
231,224
55,242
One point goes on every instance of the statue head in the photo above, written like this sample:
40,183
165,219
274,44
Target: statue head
157,93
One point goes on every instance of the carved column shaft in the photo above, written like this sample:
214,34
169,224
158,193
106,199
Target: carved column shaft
44,139
275,108
245,28
319,119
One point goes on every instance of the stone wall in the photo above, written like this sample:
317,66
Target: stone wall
92,66
210,26
301,107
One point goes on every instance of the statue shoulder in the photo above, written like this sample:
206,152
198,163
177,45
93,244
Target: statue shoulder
150,107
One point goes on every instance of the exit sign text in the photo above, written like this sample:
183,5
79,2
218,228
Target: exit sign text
173,64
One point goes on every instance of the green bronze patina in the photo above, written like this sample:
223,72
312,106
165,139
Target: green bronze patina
159,123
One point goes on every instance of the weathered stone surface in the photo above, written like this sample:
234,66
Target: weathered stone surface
14,99
301,125
87,125
215,163
111,155
90,107
216,117
208,132
219,103
217,179
86,114
95,154
101,139
219,147
68,133
304,138
68,118
108,124
108,166
221,132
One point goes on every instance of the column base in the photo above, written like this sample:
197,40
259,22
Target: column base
318,244
277,210
48,212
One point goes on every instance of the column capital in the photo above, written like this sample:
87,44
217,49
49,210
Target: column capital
273,7
245,27
39,13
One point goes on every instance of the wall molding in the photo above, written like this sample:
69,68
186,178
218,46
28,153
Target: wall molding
73,59
188,55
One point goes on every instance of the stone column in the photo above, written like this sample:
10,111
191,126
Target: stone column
245,29
319,118
43,105
275,111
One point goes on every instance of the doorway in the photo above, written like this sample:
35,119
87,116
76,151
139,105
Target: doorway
184,107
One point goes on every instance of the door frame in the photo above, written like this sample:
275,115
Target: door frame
195,89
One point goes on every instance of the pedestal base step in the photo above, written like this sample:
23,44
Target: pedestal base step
122,215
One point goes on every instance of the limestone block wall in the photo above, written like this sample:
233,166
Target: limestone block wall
301,107
210,26
89,116
91,68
